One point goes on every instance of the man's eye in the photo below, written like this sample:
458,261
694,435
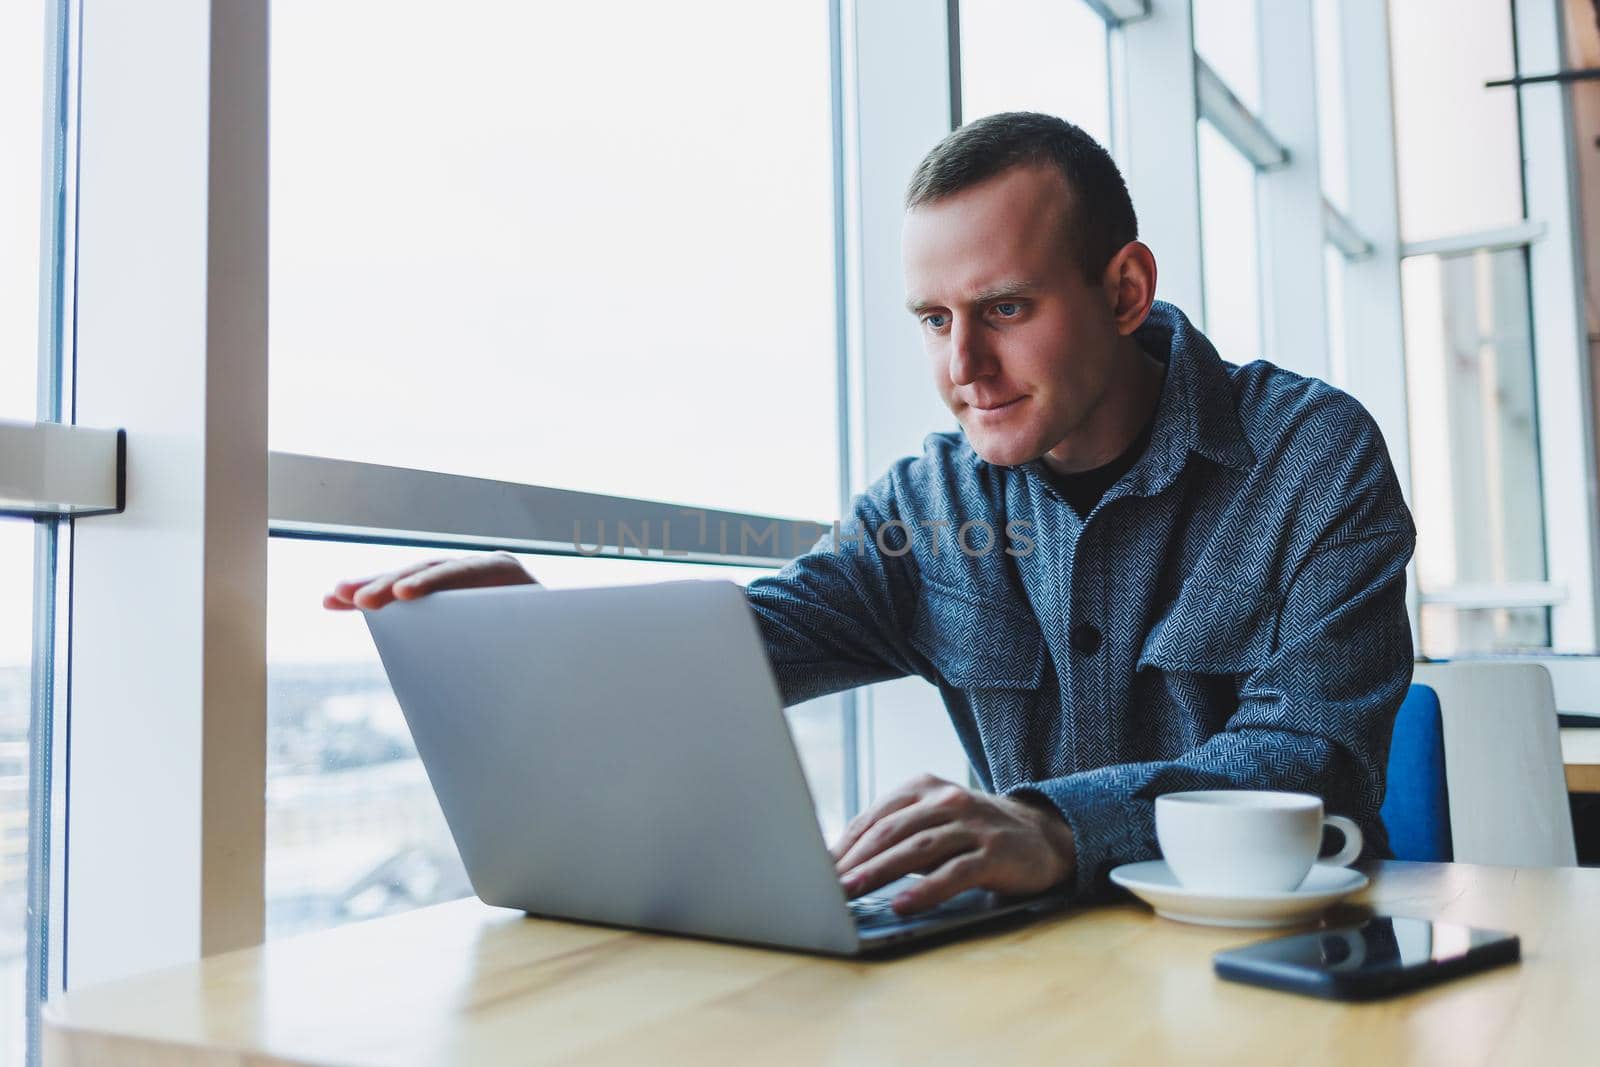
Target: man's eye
1007,309
933,322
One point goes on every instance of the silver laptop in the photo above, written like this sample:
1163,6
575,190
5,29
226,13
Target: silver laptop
620,756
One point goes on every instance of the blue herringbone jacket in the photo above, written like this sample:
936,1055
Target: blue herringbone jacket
1230,615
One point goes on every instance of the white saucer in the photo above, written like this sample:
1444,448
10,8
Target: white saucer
1154,883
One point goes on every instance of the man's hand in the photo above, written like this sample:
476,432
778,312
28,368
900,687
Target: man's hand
960,839
420,579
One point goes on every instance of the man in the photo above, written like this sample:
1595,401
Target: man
1193,575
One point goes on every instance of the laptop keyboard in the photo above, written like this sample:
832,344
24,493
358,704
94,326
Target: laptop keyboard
878,909
874,911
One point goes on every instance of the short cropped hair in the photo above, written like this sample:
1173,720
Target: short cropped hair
1100,218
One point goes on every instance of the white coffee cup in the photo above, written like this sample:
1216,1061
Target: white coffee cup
1241,841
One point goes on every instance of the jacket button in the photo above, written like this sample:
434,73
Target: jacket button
1086,639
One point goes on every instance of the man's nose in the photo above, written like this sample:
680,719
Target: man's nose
969,355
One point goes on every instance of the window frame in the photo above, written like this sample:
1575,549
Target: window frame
901,94
207,493
1562,378
68,471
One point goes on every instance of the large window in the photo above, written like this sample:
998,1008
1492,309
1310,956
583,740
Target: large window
1583,53
1475,445
1482,567
1228,221
24,915
1333,150
1459,158
22,56
558,253
1226,38
1035,55
353,829
1333,159
16,617
543,244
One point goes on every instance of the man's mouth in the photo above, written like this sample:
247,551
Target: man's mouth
997,406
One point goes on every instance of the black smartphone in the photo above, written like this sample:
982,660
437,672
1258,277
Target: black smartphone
1381,956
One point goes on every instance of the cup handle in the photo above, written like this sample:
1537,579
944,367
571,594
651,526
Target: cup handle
1352,842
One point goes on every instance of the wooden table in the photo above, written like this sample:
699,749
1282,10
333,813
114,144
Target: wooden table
1580,751
464,983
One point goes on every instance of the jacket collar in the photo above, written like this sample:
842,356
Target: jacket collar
1197,412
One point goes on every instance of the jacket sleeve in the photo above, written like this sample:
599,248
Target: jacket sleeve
836,617
1314,717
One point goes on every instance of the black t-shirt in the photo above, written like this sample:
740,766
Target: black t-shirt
1084,489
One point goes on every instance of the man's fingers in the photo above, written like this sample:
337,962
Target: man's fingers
343,597
902,797
915,853
471,572
380,590
345,592
892,829
448,574
863,822
427,576
957,875
351,586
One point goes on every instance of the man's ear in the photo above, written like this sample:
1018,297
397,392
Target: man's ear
1130,285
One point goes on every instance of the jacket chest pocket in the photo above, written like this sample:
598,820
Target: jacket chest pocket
974,645
1212,629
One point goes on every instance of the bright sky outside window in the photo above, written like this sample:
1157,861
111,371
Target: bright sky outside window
528,243
1333,152
1230,258
22,58
1456,142
22,54
1474,443
353,829
1225,35
1057,66
557,245
16,649
1333,267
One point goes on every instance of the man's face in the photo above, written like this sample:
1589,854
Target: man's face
1021,342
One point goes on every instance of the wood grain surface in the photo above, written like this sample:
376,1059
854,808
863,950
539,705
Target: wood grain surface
463,983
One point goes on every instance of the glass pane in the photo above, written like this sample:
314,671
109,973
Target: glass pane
1035,55
1229,256
1583,53
353,829
1333,153
16,649
1451,631
1338,356
1457,145
561,244
1225,36
22,55
1474,440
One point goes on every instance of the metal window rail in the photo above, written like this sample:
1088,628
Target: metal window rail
50,470
1343,235
1522,234
1560,77
1488,595
1241,126
335,499
1119,12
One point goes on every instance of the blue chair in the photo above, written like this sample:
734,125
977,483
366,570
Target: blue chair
1416,809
